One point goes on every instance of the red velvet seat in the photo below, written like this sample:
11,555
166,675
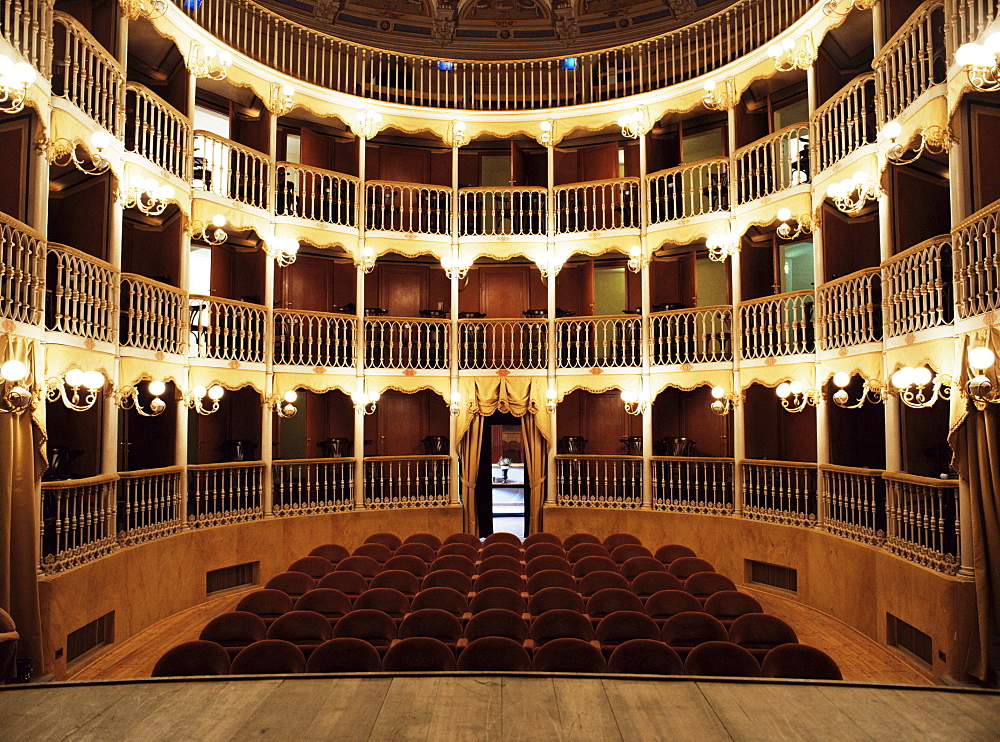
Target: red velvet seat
456,562
502,537
379,552
344,655
621,626
687,630
463,538
597,581
448,578
388,539
314,566
350,584
444,598
555,597
497,597
406,582
579,538
500,548
615,540
648,583
799,661
494,653
540,563
499,578
542,537
580,551
305,629
728,605
428,539
385,599
611,599
645,657
759,633
267,603
704,585
269,657
363,565
593,564
684,567
332,604
569,655
637,565
374,627
331,552
721,659
626,551
559,624
408,563
418,654
550,578
543,548
418,550
192,658
434,623
234,631
497,622
670,552
469,552
668,603
501,562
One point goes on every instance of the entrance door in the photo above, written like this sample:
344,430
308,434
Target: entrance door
502,486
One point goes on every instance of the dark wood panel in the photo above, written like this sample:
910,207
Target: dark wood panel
840,230
307,284
922,206
598,162
505,292
80,216
404,164
14,167
985,122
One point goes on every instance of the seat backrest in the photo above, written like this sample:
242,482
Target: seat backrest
266,603
345,654
234,627
299,626
432,622
800,661
350,584
418,550
333,552
540,563
398,579
499,578
635,566
494,653
388,539
731,604
375,627
448,578
379,552
593,564
669,552
667,603
469,552
456,562
580,551
684,567
269,657
192,658
424,538
645,657
502,537
314,566
648,583
579,538
542,537
294,584
550,578
721,658
626,551
543,548
559,623
612,599
497,622
615,540
704,584
409,563
550,598
621,626
363,565
568,655
498,597
441,597
384,599
418,654
463,538
500,548
596,581
758,630
325,601
690,628
501,561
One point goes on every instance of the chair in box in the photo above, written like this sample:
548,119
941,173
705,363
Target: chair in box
314,566
375,627
684,631
465,550
429,539
398,579
623,553
305,629
501,562
597,581
294,584
350,584
456,562
728,605
579,538
551,578
234,631
269,604
669,552
434,623
418,654
363,565
580,551
540,563
494,653
569,655
331,552
464,538
501,537
645,657
500,548
344,655
799,661
615,540
704,585
684,567
332,604
543,548
593,564
192,658
388,539
621,626
499,578
385,599
409,563
422,551
498,597
648,583
551,598
444,598
721,659
269,657
448,578
542,537
379,552
759,633
635,566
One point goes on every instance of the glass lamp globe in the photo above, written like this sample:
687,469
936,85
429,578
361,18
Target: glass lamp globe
981,358
13,370
74,378
156,387
216,392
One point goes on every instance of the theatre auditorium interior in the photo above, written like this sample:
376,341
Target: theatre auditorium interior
500,369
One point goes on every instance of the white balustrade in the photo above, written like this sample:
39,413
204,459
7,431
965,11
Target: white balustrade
923,520
149,504
911,62
78,522
780,325
772,164
154,316
406,343
492,212
87,75
310,486
779,492
597,205
220,494
854,503
27,25
843,124
968,19
693,485
689,190
226,329
406,481
313,339
917,287
849,310
599,481
156,130
976,242
311,193
593,342
82,294
408,208
22,271
702,335
230,170
503,343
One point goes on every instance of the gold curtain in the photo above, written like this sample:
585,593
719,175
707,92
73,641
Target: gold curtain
534,462
468,454
22,462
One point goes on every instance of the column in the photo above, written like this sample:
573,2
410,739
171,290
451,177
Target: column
644,334
359,337
455,481
551,492
736,289
267,432
893,407
823,408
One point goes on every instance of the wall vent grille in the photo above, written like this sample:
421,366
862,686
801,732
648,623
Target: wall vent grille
762,573
95,634
913,640
227,578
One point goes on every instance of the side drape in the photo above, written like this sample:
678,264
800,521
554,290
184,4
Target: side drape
535,462
468,457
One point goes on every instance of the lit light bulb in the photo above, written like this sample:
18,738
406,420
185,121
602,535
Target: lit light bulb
841,379
979,358
215,393
156,387
718,392
784,390
13,371
902,378
218,221
892,130
74,378
99,140
290,396
709,86
784,215
93,380
796,387
199,391
288,91
922,376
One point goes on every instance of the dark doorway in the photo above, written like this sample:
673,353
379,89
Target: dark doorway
502,486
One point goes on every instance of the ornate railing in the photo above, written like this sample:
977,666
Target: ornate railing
82,294
156,130
923,522
599,481
780,492
976,242
311,193
843,124
407,343
597,205
319,59
149,504
490,212
86,75
226,329
780,325
407,481
314,339
503,343
22,276
408,208
78,522
688,190
702,335
693,485
219,494
772,164
911,62
154,316
968,19
593,342
854,503
917,288
309,486
849,310
27,25
231,170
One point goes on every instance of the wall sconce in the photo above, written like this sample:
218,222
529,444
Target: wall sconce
637,261
911,384
195,399
637,403
979,388
723,403
455,406
870,392
457,133
367,262
367,124
549,266
933,139
15,80
635,124
981,63
830,8
16,397
143,194
546,138
128,399
200,231
281,99
794,397
283,250
455,268
719,101
284,406
92,381
804,225
851,194
364,402
551,399
63,152
136,9
787,56
721,246
209,62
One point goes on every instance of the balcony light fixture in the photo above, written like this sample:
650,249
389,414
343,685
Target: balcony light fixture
551,399
982,63
458,133
367,262
804,225
870,392
637,403
919,388
979,388
546,137
549,266
136,9
795,397
364,402
634,124
92,381
721,246
455,268
63,152
209,62
281,101
200,231
933,140
284,406
722,101
788,56
145,195
367,124
851,194
14,393
15,80
195,399
455,406
283,250
723,403
128,398
831,6
637,260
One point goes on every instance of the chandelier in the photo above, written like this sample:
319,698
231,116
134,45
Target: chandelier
547,136
91,381
831,6
551,399
637,403
455,267
363,401
637,261
723,403
788,56
981,63
457,133
284,406
367,262
281,99
549,266
634,124
136,9
367,124
455,405
200,231
15,80
979,388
